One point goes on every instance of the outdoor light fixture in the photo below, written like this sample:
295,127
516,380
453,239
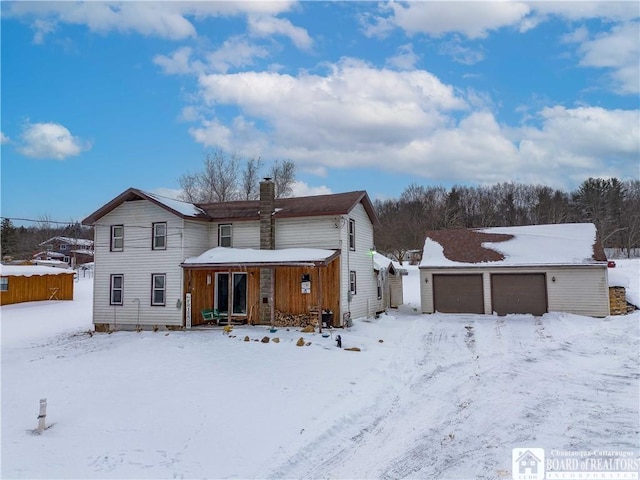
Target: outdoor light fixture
553,279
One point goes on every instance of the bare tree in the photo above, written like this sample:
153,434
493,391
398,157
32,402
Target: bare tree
190,189
251,179
283,174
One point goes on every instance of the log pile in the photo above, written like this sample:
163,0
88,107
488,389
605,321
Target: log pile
283,319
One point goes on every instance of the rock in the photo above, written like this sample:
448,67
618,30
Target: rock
353,349
265,340
246,339
381,341
307,344
308,329
275,340
300,342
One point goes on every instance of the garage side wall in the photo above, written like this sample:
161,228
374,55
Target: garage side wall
582,291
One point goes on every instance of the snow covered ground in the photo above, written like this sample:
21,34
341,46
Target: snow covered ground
428,396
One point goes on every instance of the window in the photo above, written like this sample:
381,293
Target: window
379,286
66,259
64,246
352,234
159,236
224,235
158,289
352,282
4,284
117,282
117,238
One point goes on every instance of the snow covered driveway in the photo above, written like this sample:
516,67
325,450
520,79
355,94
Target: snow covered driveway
461,392
428,396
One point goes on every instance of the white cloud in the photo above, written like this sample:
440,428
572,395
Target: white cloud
405,59
302,189
471,19
179,62
460,53
267,26
161,19
619,51
235,52
50,141
4,139
359,116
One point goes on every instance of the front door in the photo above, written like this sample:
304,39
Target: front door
232,293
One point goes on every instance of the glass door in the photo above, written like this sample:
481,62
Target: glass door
237,297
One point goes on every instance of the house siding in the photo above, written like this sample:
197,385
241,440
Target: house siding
581,290
360,260
137,262
319,232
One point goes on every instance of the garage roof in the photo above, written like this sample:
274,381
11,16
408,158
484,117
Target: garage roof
558,244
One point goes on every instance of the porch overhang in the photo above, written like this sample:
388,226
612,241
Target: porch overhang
223,257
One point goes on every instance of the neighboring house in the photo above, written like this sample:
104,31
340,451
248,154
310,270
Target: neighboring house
389,281
412,257
159,262
529,269
72,251
29,283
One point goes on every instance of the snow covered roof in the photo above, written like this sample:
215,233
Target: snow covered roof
82,251
182,209
30,270
222,256
380,262
69,241
50,254
558,244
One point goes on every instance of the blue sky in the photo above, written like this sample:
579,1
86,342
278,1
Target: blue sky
101,96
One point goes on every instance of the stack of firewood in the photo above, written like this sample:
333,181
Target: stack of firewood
283,319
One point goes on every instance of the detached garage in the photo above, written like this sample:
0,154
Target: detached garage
529,269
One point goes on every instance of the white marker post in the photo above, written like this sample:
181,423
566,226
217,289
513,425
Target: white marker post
42,416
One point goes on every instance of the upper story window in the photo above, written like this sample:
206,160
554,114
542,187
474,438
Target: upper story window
116,290
352,234
117,238
64,246
158,289
224,235
159,236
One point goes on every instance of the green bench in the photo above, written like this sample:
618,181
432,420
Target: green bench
210,315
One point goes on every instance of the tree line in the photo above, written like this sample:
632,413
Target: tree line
21,243
612,205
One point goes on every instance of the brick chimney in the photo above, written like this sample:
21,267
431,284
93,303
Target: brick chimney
267,208
267,242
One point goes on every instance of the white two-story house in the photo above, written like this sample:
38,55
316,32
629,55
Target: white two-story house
160,262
